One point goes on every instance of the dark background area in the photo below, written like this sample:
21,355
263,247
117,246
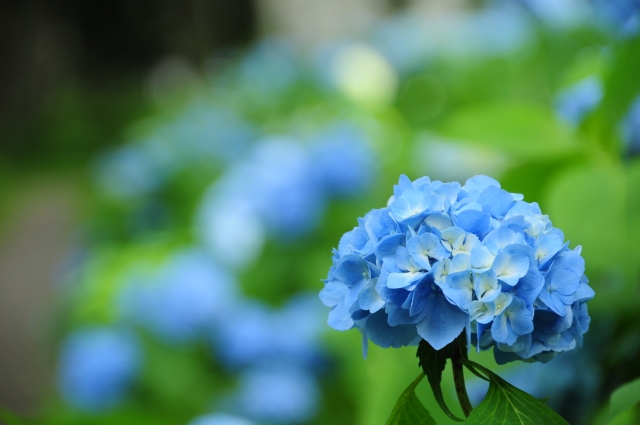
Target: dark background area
72,57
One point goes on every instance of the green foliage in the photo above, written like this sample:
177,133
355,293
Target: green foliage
505,404
433,362
409,410
9,418
623,399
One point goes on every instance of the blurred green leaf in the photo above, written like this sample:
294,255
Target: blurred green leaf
505,404
522,130
10,418
623,399
433,362
588,203
409,410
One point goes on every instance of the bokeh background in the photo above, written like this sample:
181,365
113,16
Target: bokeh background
175,174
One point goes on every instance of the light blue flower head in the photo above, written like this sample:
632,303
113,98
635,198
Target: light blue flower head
97,366
182,300
443,258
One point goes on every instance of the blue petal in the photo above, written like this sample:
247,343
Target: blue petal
495,201
369,298
439,221
340,318
510,267
473,221
476,184
529,287
584,293
389,244
520,317
399,316
501,237
333,293
459,289
378,223
379,331
443,323
351,269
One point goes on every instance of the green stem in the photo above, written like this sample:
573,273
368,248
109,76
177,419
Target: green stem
459,353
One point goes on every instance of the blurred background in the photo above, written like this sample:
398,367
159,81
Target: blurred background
175,174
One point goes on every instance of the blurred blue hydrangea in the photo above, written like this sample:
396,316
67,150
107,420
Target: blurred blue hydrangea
182,300
269,67
278,394
343,160
622,15
444,258
198,134
558,13
409,40
255,333
273,192
576,101
631,129
96,367
220,419
128,172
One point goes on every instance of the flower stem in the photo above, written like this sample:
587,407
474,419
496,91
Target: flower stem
458,354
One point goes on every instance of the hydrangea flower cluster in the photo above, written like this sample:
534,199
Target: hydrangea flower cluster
281,190
97,366
444,258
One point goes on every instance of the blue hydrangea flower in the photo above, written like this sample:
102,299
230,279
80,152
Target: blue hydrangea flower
220,419
576,101
182,300
128,172
278,394
274,191
96,367
442,259
343,160
290,333
623,15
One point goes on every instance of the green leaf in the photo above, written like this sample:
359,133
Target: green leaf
524,131
433,362
409,410
10,418
507,405
622,399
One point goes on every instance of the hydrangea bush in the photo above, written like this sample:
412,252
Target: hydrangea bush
444,260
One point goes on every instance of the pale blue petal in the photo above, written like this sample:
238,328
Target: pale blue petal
333,293
481,259
501,237
402,280
439,221
510,267
459,289
486,286
495,201
340,318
